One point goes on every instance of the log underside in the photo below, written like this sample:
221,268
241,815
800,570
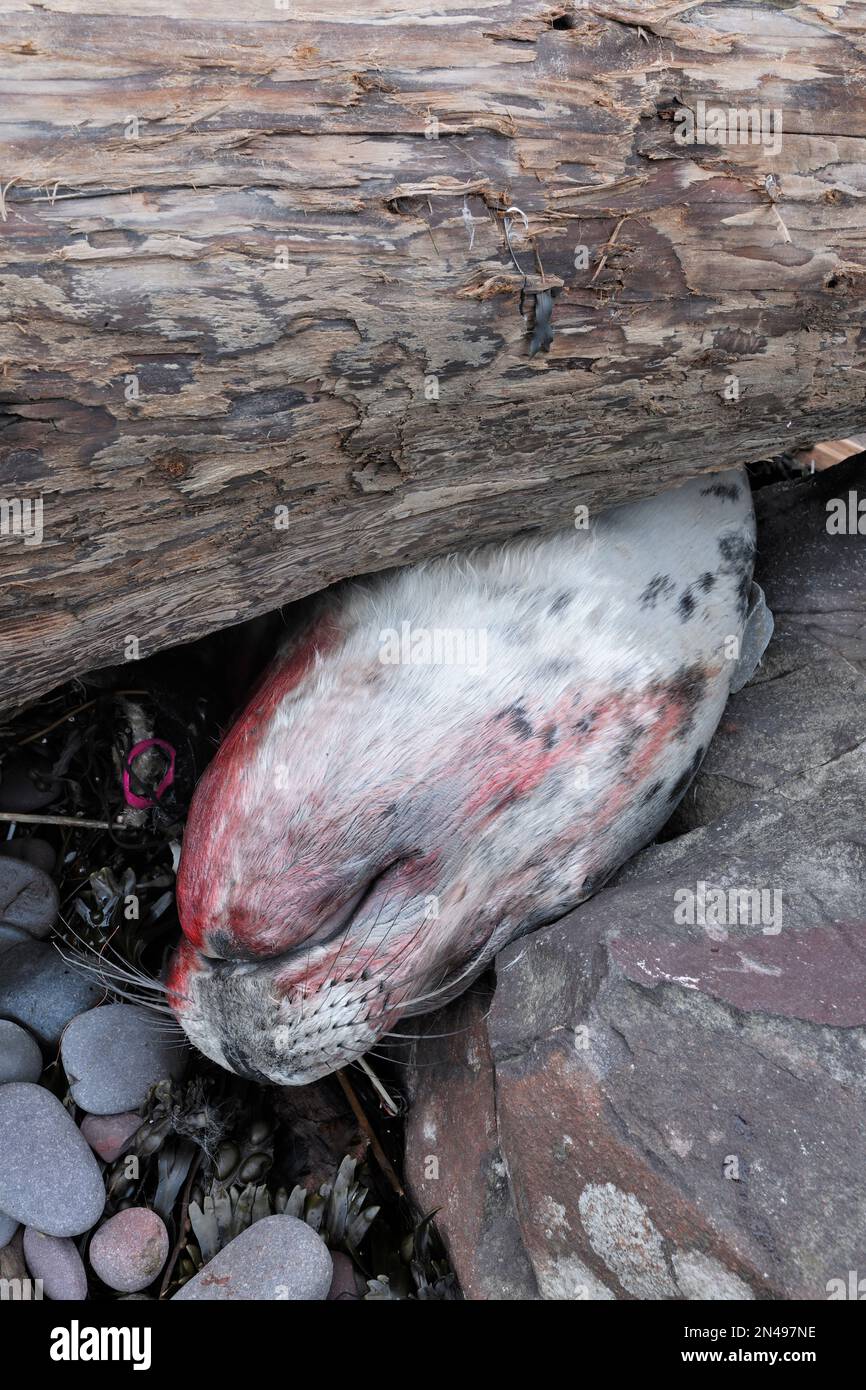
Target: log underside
260,228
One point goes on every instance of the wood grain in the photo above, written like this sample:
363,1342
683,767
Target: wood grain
248,212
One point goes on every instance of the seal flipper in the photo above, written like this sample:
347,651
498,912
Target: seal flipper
757,632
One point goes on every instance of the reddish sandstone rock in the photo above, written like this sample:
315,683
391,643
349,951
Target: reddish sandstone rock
675,1104
109,1135
130,1249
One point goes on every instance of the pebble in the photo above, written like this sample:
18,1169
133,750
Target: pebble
8,1227
114,1055
278,1258
40,991
28,897
31,849
56,1261
108,1135
12,936
129,1251
48,1176
20,1057
20,788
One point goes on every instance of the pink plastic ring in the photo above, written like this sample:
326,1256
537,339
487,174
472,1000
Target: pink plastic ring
142,803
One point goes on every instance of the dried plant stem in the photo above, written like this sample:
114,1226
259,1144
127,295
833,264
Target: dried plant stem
389,1104
378,1151
14,816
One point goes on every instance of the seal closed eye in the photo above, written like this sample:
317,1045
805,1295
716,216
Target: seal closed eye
448,756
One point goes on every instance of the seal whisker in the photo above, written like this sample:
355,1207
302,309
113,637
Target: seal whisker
85,967
119,967
375,924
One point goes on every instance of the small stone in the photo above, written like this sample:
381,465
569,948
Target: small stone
108,1135
12,936
12,1264
8,1227
56,1261
48,1176
20,1057
39,990
344,1286
129,1251
278,1258
26,785
28,897
114,1055
32,850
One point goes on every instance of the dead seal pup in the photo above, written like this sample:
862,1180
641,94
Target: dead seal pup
381,819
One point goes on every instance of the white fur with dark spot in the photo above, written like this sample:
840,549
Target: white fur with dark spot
371,834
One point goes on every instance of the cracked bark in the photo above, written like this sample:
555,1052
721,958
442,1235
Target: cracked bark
247,216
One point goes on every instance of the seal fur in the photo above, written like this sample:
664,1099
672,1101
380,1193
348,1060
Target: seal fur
372,831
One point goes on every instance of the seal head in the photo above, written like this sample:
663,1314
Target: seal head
446,757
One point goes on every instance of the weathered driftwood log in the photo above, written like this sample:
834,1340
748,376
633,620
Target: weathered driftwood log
263,277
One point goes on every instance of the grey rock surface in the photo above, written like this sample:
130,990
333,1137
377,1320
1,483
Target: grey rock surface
278,1258
48,1176
32,850
8,1226
26,784
114,1054
20,1055
28,897
56,1261
12,936
39,990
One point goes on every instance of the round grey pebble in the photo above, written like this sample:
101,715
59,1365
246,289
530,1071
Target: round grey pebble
20,1057
12,936
277,1259
114,1055
31,849
28,897
129,1251
56,1261
41,992
48,1176
8,1227
26,784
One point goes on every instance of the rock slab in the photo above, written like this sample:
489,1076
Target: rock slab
666,1097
